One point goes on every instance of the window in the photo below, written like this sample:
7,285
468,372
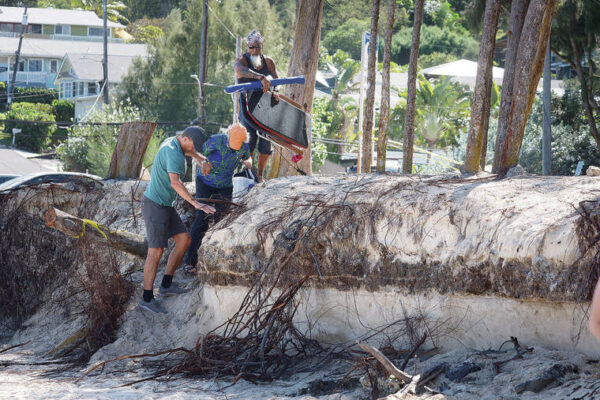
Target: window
81,86
53,66
66,90
35,28
92,31
6,27
21,66
74,90
35,65
62,29
92,88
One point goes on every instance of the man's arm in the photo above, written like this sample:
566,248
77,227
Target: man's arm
272,67
242,71
178,186
202,161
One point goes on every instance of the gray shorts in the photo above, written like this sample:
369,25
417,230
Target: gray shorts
162,222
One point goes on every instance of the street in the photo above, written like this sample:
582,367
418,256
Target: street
19,163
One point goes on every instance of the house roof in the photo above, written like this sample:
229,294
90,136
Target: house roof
88,67
46,48
461,69
465,72
53,16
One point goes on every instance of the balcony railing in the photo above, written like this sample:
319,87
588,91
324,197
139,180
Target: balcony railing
62,37
25,78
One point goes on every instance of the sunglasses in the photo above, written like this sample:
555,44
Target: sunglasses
254,47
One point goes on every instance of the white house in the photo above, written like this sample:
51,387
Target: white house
80,75
41,58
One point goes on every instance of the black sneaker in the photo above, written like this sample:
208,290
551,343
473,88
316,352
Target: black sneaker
172,290
154,306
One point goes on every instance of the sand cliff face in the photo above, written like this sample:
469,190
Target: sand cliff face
523,238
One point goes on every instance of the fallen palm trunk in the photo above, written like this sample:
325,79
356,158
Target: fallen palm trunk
78,227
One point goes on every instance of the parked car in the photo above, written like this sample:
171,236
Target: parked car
7,177
38,178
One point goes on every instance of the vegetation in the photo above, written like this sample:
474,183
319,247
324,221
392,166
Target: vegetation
33,137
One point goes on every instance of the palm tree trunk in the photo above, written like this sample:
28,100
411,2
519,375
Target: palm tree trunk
303,61
409,121
528,70
384,115
480,105
367,128
517,16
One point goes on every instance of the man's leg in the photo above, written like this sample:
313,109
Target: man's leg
182,242
264,151
199,226
156,218
150,267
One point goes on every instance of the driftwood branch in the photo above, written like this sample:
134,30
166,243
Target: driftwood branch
387,364
4,350
77,227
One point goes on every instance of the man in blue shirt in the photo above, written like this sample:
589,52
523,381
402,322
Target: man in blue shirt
162,221
224,153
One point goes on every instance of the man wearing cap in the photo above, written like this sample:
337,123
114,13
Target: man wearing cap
254,66
161,218
224,152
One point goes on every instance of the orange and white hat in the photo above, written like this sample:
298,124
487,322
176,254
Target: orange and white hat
237,136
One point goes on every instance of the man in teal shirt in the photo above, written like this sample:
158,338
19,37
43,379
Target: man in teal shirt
162,221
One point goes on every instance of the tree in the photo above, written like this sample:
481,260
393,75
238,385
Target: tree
480,106
575,36
515,26
346,37
384,115
409,128
367,128
114,8
528,70
442,111
303,61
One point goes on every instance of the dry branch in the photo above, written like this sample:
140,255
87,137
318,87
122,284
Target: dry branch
4,350
77,228
387,364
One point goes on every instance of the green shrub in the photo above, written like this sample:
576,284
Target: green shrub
63,110
2,96
33,137
34,95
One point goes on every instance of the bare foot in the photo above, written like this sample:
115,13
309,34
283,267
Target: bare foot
260,179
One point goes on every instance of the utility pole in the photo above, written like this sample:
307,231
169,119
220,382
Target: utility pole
202,69
105,58
11,87
547,119
236,96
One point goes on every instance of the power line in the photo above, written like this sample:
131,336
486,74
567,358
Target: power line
221,22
